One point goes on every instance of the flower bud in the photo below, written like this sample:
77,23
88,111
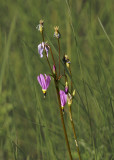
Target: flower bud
74,92
66,88
69,99
54,69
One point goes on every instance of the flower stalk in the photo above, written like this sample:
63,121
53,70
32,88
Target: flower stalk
70,99
71,79
62,119
65,95
74,132
70,114
57,35
46,55
59,56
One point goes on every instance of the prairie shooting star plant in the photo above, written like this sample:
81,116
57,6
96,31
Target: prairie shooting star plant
41,47
63,98
44,81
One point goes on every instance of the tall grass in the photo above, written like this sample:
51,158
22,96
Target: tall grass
30,127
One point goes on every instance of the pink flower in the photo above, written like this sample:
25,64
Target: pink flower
63,98
44,81
41,47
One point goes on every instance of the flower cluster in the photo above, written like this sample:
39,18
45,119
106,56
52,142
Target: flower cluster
44,80
66,95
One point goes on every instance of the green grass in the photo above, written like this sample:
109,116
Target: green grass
30,127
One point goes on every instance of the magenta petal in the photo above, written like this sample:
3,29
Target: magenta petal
44,81
48,79
66,89
41,81
41,48
63,98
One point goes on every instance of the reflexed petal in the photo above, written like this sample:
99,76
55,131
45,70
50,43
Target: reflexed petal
42,44
47,50
40,50
44,81
48,79
41,81
41,47
63,98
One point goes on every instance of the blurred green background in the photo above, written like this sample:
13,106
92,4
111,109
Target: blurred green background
30,127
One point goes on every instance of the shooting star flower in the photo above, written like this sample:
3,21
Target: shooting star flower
44,81
40,26
66,61
57,33
63,98
41,47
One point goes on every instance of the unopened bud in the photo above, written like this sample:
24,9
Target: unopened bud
67,64
69,98
66,88
54,69
74,92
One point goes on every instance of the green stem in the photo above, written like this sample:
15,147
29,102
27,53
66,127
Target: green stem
75,137
65,76
48,63
71,119
46,54
59,56
53,62
71,79
43,36
52,56
62,119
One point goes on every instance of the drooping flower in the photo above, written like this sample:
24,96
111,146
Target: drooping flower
66,61
44,81
41,47
57,33
40,26
63,98
69,99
